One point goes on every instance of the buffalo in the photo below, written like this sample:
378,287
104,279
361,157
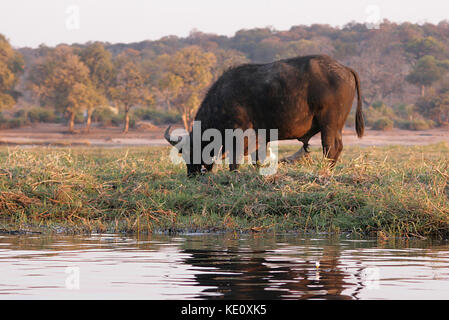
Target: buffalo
299,97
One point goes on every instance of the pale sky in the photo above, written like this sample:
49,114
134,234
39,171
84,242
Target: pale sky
32,22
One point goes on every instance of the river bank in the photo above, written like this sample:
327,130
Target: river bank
384,191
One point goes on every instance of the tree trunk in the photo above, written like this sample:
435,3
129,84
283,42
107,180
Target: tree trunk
185,121
72,122
126,128
423,90
88,120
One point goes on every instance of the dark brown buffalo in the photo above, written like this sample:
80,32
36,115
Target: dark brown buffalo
299,97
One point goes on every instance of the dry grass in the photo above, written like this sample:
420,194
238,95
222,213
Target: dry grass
391,191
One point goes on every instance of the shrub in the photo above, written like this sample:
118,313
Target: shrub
378,105
415,124
39,114
119,120
383,124
376,114
157,117
16,122
103,115
20,114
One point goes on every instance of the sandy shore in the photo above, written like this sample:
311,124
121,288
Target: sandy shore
56,134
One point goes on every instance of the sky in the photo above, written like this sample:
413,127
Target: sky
33,22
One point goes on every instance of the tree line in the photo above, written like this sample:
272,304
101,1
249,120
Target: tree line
403,68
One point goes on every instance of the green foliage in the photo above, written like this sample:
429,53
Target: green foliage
15,122
435,106
378,111
421,47
63,81
344,49
173,73
189,74
378,105
103,115
383,124
117,120
101,68
11,66
157,117
129,88
382,117
39,114
427,71
415,124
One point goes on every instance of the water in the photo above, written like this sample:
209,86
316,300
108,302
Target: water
220,266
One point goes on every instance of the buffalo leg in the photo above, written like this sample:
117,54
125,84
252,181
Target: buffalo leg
332,145
233,161
303,152
234,166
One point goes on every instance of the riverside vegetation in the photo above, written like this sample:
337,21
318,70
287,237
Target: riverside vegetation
392,191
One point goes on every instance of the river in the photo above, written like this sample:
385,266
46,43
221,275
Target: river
217,266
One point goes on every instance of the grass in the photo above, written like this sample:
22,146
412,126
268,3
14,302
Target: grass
388,191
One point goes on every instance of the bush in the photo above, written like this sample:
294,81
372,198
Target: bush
103,115
16,122
416,124
107,117
383,124
378,105
119,120
79,118
379,115
157,117
20,114
39,114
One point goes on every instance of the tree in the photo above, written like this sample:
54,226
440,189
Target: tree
380,65
62,80
129,87
249,42
226,59
305,47
190,73
83,96
427,71
421,47
169,88
435,105
101,71
11,66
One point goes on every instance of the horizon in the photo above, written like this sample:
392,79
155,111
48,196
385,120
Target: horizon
78,21
213,33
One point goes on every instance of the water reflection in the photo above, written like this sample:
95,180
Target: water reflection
222,267
267,271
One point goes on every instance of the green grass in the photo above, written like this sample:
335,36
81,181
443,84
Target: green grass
388,191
